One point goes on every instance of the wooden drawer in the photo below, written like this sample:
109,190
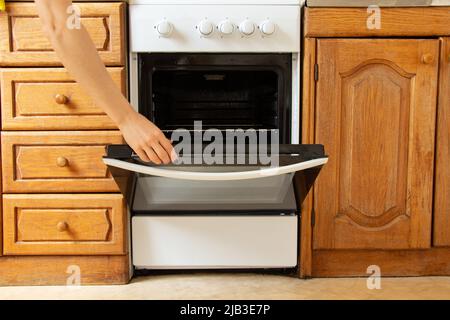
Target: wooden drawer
22,42
49,99
57,161
58,224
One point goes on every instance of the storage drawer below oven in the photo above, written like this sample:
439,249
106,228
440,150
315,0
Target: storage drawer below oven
208,242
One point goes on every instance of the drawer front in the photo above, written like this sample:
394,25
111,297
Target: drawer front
57,161
58,224
49,99
22,42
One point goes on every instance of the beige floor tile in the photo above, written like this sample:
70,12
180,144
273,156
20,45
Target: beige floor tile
242,286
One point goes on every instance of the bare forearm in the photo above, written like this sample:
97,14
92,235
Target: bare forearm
77,52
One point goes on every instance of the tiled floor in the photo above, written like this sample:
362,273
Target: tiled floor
242,286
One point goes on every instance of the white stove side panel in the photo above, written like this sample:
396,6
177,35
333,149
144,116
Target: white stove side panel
208,242
185,37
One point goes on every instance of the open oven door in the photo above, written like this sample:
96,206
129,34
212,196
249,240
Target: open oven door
216,216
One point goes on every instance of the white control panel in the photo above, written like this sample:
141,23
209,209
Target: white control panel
215,28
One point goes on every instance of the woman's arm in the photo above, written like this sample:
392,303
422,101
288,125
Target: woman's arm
78,54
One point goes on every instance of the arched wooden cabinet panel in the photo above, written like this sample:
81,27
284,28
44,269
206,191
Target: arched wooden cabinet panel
375,114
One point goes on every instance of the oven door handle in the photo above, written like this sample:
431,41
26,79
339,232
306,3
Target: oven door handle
214,176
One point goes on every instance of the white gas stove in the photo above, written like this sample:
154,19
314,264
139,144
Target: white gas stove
231,64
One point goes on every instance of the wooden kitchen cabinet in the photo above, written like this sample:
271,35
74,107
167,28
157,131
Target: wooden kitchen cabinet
379,100
22,42
375,114
441,235
57,161
60,205
49,99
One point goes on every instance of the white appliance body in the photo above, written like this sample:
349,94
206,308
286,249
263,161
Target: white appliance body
219,240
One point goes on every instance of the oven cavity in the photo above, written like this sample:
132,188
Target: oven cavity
223,91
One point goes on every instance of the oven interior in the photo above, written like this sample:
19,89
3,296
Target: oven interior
223,91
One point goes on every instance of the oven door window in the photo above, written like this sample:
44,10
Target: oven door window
213,188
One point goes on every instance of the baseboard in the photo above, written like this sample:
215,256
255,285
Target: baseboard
61,270
354,263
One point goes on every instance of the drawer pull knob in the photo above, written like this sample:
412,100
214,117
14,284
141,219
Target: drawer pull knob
61,99
62,226
62,162
427,58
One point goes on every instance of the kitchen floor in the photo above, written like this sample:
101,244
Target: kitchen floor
242,286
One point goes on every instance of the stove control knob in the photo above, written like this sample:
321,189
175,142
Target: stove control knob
247,27
226,27
164,28
205,28
267,28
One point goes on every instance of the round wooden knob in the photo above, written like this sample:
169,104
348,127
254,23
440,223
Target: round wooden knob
427,58
62,162
62,226
61,99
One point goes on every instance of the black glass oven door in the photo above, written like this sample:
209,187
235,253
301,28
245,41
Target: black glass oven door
200,188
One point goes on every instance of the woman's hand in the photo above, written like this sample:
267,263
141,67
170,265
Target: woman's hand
146,139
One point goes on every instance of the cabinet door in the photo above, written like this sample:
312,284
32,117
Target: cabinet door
442,191
376,105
